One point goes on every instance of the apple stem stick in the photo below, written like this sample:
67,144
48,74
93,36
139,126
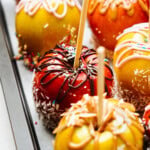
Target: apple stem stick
100,84
81,33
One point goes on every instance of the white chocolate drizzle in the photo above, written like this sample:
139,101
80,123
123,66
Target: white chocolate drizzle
138,28
147,108
126,4
104,5
51,6
128,46
117,117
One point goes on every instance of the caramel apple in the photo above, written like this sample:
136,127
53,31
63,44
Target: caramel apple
108,18
131,65
57,84
79,130
41,24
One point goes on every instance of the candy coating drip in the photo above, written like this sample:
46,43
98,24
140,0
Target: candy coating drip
51,6
104,5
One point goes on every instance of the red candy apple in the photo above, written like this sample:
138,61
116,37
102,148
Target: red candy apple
56,84
146,119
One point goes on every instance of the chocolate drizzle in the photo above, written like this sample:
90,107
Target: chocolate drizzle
65,59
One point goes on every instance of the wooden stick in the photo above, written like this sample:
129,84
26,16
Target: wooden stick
81,33
100,83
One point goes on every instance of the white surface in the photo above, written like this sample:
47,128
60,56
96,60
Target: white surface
6,135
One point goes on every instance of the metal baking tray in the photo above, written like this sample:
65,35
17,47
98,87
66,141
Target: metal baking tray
19,118
17,86
28,130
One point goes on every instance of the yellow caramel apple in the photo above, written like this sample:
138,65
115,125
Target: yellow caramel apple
41,24
79,130
132,64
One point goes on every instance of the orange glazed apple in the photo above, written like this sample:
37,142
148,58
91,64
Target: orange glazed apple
41,24
108,18
79,130
132,65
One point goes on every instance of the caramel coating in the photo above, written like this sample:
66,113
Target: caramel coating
78,129
131,64
40,30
